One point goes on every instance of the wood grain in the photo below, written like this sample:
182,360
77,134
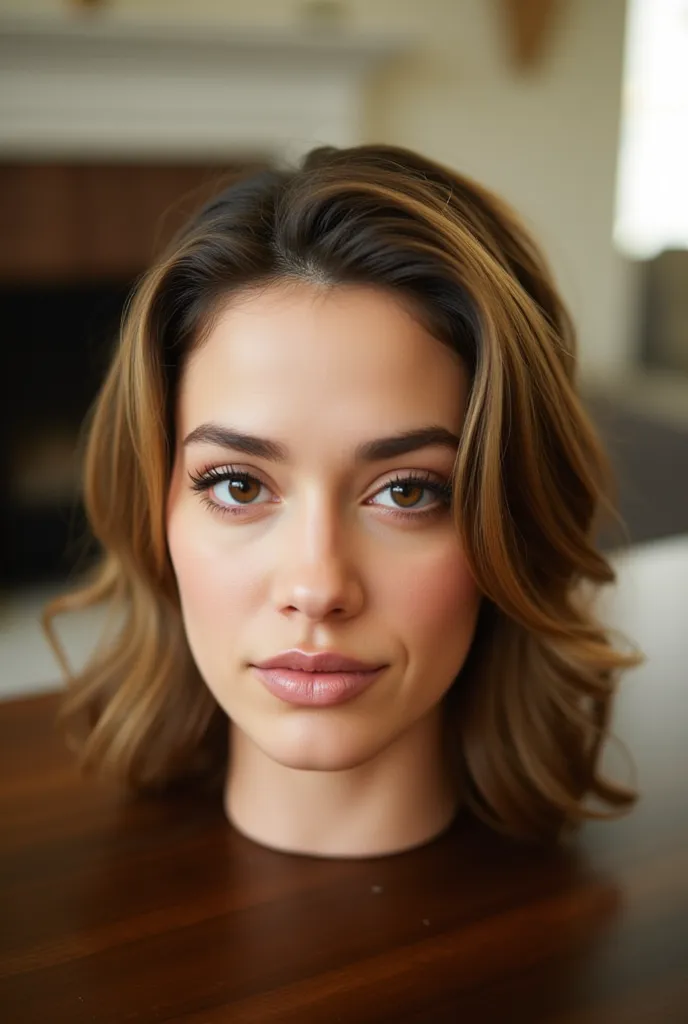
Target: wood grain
80,222
147,910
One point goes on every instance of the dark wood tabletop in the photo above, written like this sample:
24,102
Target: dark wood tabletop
118,910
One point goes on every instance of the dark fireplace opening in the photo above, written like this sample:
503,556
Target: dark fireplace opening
58,339
76,235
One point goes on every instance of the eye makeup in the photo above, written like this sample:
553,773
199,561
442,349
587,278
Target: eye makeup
205,482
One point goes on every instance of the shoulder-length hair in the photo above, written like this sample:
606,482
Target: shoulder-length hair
530,710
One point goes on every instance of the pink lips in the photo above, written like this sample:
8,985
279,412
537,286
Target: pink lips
316,679
325,661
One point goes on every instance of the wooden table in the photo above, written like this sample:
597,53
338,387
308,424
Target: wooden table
118,911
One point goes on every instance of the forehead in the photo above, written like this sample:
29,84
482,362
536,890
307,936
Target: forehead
314,366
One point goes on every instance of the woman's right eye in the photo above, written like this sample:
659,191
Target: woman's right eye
240,488
227,489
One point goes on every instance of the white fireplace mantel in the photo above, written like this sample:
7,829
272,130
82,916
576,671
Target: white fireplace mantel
105,88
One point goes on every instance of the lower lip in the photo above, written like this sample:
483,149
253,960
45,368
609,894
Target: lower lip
315,689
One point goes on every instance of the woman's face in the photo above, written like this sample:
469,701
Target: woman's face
319,549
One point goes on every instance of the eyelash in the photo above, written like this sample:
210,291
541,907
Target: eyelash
202,482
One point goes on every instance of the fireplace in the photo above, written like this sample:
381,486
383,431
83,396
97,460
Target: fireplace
112,128
57,338
76,236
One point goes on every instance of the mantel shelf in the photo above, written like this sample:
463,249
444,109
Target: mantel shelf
103,87
103,36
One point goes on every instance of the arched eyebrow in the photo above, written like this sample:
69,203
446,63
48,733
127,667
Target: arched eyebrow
368,451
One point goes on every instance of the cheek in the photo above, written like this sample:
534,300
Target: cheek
216,586
434,602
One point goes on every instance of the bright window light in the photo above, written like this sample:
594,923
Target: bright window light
652,189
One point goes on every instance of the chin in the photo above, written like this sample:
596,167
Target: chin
320,750
327,762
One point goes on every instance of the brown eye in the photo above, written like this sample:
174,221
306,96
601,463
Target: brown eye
240,488
407,494
414,495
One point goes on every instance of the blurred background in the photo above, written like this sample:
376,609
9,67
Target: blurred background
118,118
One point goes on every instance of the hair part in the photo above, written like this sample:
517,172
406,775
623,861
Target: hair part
529,712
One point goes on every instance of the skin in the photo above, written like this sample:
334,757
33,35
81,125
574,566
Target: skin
315,559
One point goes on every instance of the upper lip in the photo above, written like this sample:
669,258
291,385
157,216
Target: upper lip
325,661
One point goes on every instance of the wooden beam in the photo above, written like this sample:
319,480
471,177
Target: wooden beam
529,24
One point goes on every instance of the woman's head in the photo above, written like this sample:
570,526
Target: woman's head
343,540
368,294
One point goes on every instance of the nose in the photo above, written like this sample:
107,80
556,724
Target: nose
316,575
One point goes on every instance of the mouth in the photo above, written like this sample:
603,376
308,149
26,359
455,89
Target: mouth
317,661
316,689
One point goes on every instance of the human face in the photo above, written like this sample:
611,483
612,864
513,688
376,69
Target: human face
318,551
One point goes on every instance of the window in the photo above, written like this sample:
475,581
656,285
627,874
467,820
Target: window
652,191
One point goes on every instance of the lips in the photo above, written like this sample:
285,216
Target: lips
320,679
325,661
315,689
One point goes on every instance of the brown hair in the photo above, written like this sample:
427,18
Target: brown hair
530,710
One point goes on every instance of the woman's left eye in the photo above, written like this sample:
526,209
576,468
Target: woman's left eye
228,490
406,490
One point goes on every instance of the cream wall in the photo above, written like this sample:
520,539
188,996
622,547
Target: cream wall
546,141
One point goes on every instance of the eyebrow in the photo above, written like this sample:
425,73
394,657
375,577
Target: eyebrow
369,451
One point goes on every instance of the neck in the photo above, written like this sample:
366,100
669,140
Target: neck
403,797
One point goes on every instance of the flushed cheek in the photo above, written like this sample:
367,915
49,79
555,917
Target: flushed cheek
434,604
217,587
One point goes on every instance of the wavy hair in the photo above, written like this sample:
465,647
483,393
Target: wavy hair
530,711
